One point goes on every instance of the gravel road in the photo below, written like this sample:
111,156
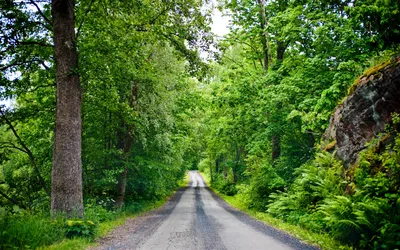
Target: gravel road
196,218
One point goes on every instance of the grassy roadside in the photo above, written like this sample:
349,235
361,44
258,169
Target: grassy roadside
185,181
321,240
108,226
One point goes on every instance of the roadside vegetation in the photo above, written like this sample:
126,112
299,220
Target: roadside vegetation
27,230
285,66
319,208
112,133
322,240
138,94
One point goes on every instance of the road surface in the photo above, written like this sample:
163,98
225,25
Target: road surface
195,218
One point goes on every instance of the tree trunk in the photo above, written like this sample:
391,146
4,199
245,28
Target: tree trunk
280,51
276,139
237,162
276,147
126,144
264,34
121,185
66,186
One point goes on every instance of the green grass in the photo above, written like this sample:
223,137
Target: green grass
28,231
185,181
83,243
104,229
206,178
70,244
324,241
108,226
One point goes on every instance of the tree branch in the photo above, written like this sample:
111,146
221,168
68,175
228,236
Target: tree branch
34,42
19,64
42,86
11,145
86,13
13,201
41,13
27,151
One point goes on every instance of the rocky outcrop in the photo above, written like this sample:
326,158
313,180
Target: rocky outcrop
364,113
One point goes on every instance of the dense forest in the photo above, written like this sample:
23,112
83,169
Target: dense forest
110,102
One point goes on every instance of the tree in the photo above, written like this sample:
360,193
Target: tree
66,192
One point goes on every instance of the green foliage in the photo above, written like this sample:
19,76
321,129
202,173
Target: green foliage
263,182
80,228
363,213
262,122
26,231
99,212
316,181
250,120
224,186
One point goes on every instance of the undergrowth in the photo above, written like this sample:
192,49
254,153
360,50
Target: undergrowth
358,207
313,238
20,229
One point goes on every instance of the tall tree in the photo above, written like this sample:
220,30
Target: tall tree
66,193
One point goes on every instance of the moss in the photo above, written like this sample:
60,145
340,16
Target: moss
375,71
330,146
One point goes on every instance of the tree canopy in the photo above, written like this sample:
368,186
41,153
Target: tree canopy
158,95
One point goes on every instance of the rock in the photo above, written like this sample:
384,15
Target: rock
365,112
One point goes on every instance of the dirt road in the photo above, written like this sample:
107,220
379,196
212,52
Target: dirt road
195,218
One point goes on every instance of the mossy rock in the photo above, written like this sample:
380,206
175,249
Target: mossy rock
373,71
329,146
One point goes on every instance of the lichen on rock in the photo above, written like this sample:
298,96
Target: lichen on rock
365,112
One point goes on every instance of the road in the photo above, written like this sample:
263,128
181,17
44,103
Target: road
195,218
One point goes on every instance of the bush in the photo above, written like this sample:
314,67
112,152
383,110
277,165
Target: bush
98,213
264,181
316,181
362,210
225,186
29,231
80,228
228,189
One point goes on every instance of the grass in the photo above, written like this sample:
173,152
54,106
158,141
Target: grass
108,226
104,229
70,244
185,181
206,178
324,241
28,231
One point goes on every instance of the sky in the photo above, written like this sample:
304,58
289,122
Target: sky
220,23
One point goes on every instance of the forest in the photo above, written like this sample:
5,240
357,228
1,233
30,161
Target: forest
106,104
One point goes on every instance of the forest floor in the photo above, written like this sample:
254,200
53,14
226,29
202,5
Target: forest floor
196,218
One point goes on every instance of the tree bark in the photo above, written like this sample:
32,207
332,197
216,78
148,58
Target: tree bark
280,51
126,144
121,185
276,147
265,35
66,189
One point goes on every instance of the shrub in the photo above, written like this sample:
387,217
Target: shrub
98,213
80,228
316,181
228,189
29,231
264,181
